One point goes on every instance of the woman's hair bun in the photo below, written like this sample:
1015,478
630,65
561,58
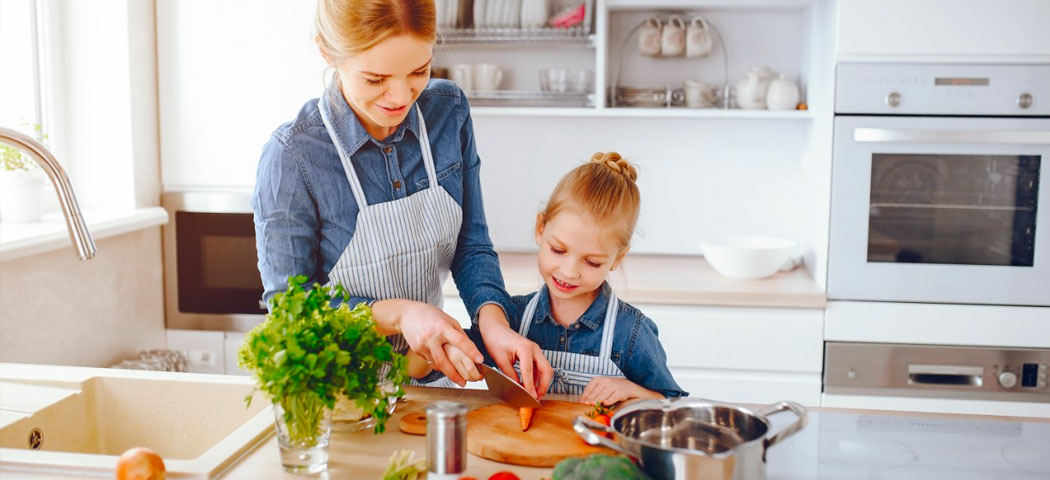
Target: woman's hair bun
613,161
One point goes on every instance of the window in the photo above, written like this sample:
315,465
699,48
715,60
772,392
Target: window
21,102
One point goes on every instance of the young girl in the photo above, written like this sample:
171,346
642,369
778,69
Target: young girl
601,348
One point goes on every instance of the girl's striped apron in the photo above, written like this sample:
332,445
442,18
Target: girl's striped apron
402,248
573,371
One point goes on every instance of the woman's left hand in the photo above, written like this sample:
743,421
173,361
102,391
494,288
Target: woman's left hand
610,390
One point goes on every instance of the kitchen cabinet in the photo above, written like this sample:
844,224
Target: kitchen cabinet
944,30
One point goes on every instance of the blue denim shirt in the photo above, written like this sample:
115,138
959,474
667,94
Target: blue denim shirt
636,347
305,212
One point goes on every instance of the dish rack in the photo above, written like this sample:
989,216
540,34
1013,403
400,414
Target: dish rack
500,22
661,96
505,98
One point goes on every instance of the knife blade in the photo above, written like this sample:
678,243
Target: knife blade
506,388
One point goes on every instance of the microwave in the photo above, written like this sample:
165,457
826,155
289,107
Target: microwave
211,273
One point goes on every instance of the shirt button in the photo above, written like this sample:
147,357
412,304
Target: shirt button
388,149
397,183
563,339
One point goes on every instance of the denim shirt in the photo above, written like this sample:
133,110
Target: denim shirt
305,212
636,347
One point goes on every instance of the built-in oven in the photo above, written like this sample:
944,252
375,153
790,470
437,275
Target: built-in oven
941,184
211,273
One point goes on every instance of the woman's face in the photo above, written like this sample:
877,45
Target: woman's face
381,83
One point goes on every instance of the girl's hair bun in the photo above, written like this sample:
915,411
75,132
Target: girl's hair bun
613,161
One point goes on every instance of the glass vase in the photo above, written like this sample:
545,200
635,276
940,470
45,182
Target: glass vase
303,428
348,417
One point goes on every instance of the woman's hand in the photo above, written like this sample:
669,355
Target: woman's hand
610,390
506,345
427,330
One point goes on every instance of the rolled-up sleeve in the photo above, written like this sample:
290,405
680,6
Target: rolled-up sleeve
475,266
286,220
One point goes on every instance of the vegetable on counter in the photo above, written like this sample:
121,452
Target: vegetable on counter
504,476
526,417
404,467
597,467
602,415
140,463
307,353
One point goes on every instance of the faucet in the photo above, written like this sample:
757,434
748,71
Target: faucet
78,232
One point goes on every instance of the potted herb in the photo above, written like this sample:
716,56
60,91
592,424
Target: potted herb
21,184
307,354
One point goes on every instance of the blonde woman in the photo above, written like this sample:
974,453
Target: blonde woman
375,186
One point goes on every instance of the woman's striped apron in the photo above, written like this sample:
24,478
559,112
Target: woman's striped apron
402,248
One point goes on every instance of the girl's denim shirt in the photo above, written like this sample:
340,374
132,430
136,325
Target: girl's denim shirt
636,347
305,212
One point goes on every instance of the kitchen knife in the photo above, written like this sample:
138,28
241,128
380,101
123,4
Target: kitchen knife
506,388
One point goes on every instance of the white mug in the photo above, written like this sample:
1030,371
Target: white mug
673,37
698,94
699,39
462,74
649,37
487,77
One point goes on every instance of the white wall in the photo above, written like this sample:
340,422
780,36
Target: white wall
55,309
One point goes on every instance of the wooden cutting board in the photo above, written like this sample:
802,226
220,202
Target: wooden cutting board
494,432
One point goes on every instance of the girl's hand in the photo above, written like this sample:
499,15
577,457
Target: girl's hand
465,366
427,330
610,390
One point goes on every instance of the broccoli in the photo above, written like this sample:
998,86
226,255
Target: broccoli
597,467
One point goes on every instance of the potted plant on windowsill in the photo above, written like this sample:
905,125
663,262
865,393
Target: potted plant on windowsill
21,184
306,355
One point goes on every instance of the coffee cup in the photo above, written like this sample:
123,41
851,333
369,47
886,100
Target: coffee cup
649,37
462,74
698,94
673,37
487,77
699,39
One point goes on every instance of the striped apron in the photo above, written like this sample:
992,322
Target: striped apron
402,248
573,371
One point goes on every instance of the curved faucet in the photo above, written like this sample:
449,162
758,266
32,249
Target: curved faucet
78,231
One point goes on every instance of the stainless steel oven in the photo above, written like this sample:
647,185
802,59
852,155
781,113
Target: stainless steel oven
941,184
211,273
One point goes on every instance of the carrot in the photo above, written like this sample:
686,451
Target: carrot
526,417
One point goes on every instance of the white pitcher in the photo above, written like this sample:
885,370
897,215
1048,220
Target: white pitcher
751,90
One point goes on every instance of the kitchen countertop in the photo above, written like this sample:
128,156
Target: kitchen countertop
365,455
677,280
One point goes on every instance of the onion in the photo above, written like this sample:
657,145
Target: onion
140,463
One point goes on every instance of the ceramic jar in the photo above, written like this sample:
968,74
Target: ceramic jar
751,90
782,94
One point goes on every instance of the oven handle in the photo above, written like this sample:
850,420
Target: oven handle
887,135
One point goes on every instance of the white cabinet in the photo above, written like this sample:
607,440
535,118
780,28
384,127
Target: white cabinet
750,355
944,30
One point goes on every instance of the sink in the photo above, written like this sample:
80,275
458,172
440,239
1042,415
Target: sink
81,419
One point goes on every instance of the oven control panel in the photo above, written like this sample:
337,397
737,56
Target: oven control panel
1015,374
942,89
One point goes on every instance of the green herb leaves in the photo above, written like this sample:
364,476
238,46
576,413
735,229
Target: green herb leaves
308,348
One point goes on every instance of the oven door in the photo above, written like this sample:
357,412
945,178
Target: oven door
211,271
940,209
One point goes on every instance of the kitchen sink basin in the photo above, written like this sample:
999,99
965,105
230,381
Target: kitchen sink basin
75,419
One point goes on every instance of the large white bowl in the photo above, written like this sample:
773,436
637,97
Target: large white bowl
748,257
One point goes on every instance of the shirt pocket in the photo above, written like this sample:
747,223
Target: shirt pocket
450,176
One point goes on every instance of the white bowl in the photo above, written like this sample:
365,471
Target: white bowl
748,258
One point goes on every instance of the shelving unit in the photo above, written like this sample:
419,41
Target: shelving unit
517,36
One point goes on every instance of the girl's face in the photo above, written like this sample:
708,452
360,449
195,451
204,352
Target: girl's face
381,83
575,255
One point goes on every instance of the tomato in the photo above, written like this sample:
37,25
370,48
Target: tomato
140,463
504,476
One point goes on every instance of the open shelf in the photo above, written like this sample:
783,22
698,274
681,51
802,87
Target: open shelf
517,36
626,112
509,98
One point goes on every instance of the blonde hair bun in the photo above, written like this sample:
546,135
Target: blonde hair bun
613,161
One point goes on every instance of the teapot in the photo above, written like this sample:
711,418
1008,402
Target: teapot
751,90
782,94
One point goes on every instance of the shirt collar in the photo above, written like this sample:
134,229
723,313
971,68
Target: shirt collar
592,318
349,127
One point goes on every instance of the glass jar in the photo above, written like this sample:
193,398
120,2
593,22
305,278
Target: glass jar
303,430
348,417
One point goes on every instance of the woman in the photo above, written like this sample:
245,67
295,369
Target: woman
376,186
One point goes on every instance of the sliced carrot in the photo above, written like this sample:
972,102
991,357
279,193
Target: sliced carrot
526,417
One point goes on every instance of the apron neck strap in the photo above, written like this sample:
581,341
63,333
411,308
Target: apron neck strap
608,326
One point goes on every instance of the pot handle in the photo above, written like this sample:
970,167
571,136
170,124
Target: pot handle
585,429
790,430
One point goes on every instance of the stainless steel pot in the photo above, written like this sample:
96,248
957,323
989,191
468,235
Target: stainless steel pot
691,438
